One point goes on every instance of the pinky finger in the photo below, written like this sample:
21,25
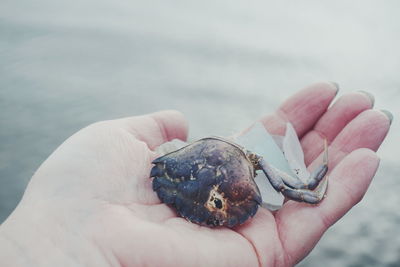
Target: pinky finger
303,227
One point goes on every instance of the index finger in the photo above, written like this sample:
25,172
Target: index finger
303,109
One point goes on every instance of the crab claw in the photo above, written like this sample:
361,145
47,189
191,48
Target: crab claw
292,187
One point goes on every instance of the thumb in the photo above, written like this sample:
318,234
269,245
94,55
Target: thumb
157,128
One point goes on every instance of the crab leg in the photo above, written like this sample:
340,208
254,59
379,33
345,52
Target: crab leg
315,178
298,194
293,187
304,195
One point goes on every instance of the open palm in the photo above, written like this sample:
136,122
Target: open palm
91,202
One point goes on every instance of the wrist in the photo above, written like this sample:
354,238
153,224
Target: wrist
25,238
41,236
13,242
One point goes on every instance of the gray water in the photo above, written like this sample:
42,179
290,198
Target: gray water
64,65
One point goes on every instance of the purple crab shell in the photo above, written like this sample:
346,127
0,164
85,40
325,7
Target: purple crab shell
209,182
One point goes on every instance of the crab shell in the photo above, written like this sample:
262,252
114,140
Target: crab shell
209,182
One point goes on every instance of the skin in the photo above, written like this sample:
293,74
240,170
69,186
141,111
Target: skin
91,202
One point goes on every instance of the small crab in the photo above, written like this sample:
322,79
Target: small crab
211,182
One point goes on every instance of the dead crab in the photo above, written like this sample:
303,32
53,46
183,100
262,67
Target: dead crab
211,182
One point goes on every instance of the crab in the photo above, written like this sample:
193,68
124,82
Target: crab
211,182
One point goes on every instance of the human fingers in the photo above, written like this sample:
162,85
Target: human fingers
156,128
344,110
303,109
302,225
348,182
367,130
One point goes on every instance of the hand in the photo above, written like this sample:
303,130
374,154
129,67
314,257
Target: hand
91,202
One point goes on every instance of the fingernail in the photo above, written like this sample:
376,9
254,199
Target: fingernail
369,95
336,85
388,114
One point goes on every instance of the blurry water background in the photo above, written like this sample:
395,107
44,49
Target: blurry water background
66,64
